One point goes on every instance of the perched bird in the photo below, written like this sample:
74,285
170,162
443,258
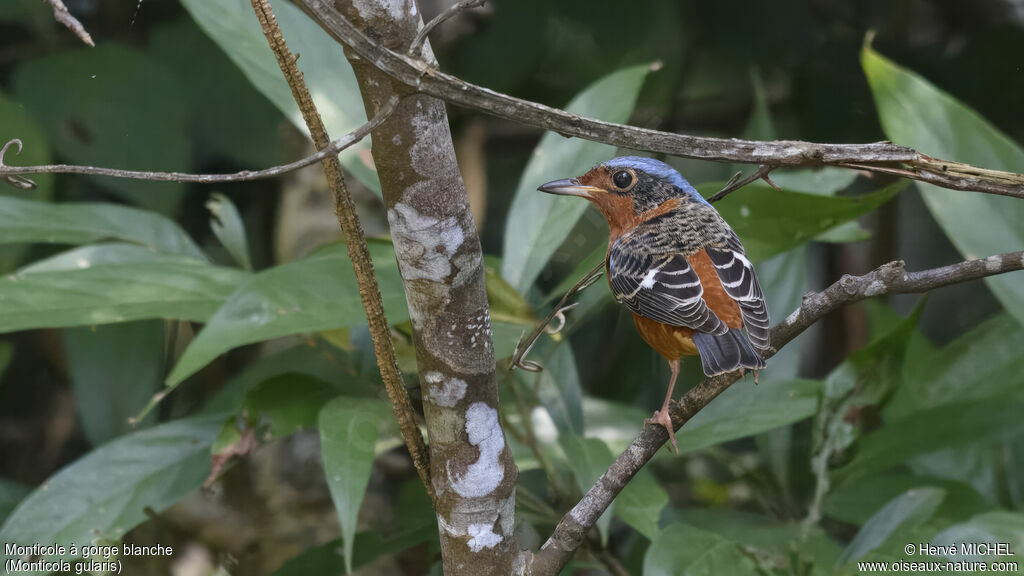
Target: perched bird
678,267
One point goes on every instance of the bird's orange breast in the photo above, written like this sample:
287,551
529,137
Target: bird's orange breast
673,342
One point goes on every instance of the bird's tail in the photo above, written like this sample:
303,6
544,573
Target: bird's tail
726,352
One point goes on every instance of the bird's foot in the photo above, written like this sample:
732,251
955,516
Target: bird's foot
661,418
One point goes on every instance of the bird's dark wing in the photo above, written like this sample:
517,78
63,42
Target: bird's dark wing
662,287
740,282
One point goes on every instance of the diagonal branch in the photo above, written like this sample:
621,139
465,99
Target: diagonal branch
61,14
369,291
891,278
13,174
878,157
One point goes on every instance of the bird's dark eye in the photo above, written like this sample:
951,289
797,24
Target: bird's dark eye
622,179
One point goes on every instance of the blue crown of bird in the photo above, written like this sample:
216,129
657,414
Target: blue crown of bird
675,263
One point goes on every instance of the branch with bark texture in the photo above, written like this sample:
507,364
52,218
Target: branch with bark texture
369,291
61,14
891,278
884,157
14,174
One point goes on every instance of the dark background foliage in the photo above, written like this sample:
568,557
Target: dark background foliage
158,93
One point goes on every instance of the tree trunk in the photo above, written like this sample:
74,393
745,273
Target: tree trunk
439,256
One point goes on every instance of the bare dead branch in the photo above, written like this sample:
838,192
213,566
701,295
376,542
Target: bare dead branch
416,48
12,174
369,291
878,156
891,278
61,14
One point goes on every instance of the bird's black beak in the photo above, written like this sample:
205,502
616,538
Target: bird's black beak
570,187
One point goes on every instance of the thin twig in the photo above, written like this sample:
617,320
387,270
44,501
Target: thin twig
61,14
417,43
369,291
10,173
523,346
735,183
891,278
876,157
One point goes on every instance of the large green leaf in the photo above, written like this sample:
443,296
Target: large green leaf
227,226
348,434
17,122
288,403
589,458
112,283
682,550
855,502
538,223
233,26
25,221
10,494
104,494
901,513
987,420
91,116
114,371
233,121
988,528
770,222
559,391
641,502
985,362
745,409
315,294
915,113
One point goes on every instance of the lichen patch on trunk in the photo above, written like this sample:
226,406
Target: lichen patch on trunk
484,475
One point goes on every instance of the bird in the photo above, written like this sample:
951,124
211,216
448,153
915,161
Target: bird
676,264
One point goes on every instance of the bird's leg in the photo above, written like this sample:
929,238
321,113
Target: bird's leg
661,417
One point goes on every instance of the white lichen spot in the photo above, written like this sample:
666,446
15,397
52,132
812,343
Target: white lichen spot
395,9
792,317
397,140
992,263
875,288
482,536
425,244
444,391
484,475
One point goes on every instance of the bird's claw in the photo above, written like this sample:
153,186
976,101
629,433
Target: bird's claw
661,418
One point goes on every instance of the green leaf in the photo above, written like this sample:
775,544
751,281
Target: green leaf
315,294
11,493
114,370
17,122
915,113
770,222
233,26
234,120
902,513
538,223
227,225
826,180
112,283
348,433
962,423
560,392
641,502
291,402
985,362
745,409
989,528
855,502
82,99
104,494
588,458
682,550
24,221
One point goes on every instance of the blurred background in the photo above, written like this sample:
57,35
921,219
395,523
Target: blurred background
161,92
